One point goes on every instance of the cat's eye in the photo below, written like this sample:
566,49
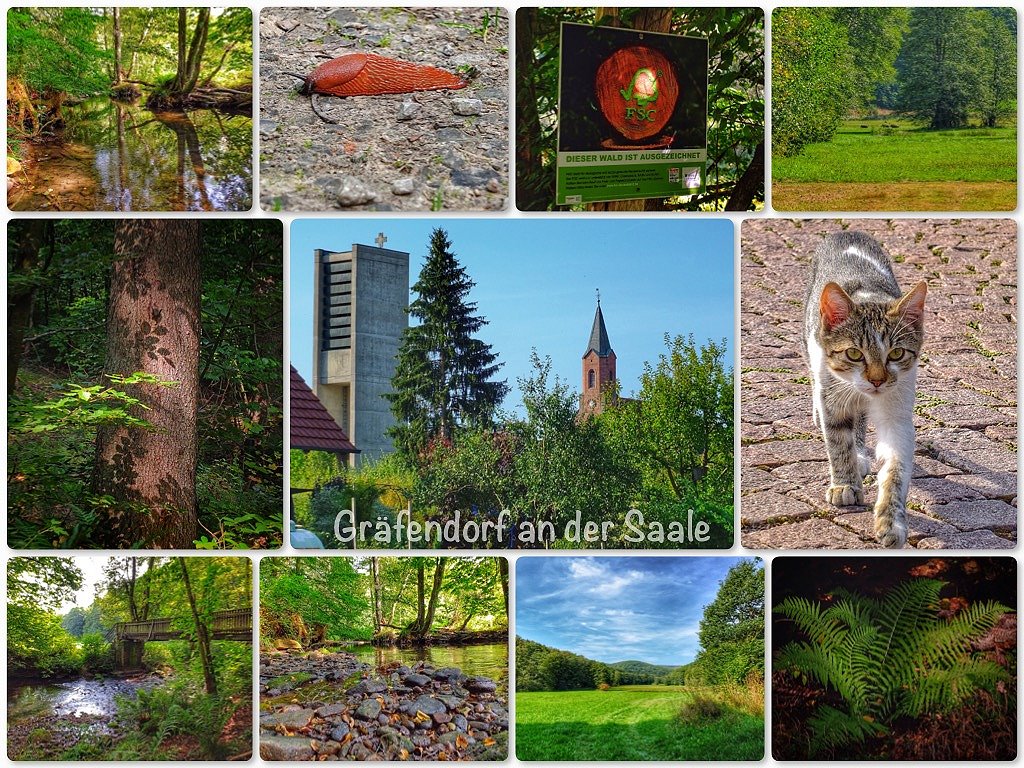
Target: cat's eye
897,354
854,354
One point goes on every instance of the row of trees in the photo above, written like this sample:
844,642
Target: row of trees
731,647
144,383
666,451
940,65
735,37
384,599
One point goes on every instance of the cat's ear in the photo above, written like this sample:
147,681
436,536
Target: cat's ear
835,305
911,306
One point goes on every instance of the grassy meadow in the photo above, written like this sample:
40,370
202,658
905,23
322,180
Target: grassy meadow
642,722
892,164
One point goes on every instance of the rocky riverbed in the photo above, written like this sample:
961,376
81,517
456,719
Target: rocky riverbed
331,706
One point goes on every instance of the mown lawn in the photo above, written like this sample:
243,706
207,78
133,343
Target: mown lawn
867,166
630,723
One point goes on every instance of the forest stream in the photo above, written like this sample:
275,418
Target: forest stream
489,660
73,706
118,156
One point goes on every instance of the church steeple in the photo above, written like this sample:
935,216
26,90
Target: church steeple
598,366
599,334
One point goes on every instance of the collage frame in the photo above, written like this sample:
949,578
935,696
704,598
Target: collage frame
778,456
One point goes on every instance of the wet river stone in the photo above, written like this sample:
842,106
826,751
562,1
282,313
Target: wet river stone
395,713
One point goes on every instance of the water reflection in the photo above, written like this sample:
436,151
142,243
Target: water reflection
71,699
122,157
490,660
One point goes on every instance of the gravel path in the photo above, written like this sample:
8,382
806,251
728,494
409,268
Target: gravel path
964,488
431,150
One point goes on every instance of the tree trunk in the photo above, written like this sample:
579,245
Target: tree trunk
378,613
749,183
117,46
133,570
25,238
534,184
202,634
421,599
190,63
649,20
153,326
502,564
435,592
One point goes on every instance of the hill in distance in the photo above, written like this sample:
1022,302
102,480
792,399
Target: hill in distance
643,668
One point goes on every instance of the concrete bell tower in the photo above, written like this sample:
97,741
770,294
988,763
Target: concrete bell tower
598,366
359,316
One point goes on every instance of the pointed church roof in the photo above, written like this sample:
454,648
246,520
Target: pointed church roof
599,336
312,428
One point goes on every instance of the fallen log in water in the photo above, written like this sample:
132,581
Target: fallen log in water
443,637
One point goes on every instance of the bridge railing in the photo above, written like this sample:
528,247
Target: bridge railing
232,621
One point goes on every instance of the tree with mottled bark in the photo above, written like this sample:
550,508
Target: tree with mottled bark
153,327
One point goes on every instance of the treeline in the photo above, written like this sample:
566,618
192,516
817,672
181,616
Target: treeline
731,647
386,600
939,65
542,668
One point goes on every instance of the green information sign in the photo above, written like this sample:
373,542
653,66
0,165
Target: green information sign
632,118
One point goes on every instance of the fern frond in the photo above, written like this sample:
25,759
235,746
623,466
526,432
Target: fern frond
940,690
832,728
906,614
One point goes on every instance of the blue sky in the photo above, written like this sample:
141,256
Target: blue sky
535,282
618,608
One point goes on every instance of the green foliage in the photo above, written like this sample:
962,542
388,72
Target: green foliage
701,707
886,657
812,64
298,595
540,668
56,49
180,708
97,654
732,629
443,379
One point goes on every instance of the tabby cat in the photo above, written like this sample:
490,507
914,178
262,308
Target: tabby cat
862,339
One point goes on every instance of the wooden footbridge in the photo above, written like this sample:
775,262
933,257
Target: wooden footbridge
130,637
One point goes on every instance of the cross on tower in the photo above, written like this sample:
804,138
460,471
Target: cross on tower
598,291
381,240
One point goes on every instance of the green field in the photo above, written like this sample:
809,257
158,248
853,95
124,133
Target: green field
868,166
639,722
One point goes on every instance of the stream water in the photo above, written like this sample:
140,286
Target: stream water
74,699
122,157
489,660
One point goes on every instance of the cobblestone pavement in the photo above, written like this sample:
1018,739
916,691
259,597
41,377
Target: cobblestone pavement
964,489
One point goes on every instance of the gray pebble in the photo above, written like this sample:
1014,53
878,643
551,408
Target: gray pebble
467,107
407,109
352,191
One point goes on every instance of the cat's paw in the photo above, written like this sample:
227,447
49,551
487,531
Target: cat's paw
893,536
844,496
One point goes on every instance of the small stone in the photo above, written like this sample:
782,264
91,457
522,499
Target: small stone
367,686
285,748
368,710
417,680
403,186
441,717
428,705
267,127
331,710
481,685
467,107
407,109
339,732
461,723
290,720
448,50
352,191
287,25
493,185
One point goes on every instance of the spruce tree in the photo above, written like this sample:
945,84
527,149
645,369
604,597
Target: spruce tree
443,379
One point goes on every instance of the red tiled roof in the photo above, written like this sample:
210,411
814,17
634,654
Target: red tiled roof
312,427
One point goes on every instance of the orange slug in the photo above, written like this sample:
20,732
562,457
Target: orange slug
367,74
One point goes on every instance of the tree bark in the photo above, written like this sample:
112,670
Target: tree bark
378,613
189,64
435,592
749,183
117,45
153,326
202,634
502,564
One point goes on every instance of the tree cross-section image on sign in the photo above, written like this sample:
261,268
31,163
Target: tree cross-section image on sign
632,118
